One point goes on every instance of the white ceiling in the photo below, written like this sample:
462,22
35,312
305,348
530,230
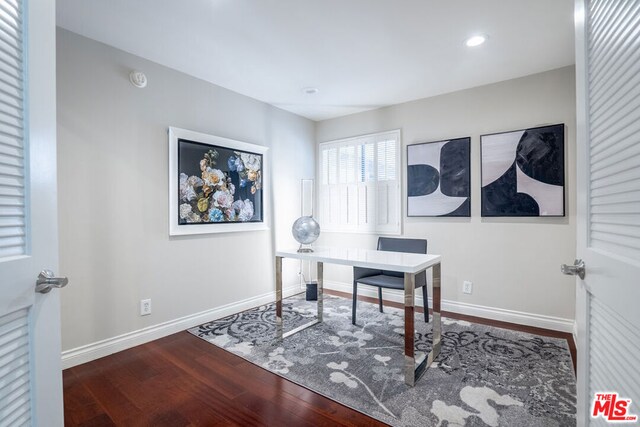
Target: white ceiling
360,54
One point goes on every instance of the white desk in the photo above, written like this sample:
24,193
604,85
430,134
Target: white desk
409,264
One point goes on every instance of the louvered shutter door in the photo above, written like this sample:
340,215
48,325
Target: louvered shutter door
614,108
15,392
12,179
613,73
615,346
15,403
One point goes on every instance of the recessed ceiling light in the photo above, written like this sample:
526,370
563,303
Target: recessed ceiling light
310,90
476,40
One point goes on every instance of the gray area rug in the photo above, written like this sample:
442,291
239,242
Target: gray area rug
484,376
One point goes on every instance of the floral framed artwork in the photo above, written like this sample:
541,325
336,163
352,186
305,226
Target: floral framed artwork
216,185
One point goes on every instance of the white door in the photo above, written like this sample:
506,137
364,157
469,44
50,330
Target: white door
608,135
30,365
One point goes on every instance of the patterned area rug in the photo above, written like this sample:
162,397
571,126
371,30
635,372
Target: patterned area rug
484,376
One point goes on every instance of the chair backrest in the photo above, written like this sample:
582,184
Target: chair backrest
393,244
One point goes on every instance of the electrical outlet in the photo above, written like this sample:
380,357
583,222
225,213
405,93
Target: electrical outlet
467,287
145,307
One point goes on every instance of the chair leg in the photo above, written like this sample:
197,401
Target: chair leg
355,302
380,299
426,304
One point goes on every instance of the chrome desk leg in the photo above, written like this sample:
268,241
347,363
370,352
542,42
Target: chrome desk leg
409,328
437,323
320,290
280,334
279,297
412,372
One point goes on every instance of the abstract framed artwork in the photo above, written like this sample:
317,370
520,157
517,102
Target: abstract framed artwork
523,172
216,185
439,178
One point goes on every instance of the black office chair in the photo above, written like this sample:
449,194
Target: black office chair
391,279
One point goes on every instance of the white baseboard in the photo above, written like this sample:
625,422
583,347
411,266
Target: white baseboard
575,333
511,316
89,352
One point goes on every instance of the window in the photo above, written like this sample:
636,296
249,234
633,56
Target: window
359,184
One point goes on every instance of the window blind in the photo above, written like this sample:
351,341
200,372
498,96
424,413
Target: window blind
12,158
359,184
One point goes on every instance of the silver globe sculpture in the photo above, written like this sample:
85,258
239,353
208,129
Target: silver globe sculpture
306,231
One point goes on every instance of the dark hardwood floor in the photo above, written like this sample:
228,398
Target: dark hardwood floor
181,380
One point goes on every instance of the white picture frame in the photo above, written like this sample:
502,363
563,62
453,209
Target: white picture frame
225,213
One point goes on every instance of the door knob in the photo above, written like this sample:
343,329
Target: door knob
577,269
47,280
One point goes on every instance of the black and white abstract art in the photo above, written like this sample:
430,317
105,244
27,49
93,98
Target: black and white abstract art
523,172
439,178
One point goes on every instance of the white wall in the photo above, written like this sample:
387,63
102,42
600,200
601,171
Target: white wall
512,262
113,198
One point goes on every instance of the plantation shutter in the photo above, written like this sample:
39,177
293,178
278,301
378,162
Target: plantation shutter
388,187
366,185
359,184
15,406
329,198
613,88
12,173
